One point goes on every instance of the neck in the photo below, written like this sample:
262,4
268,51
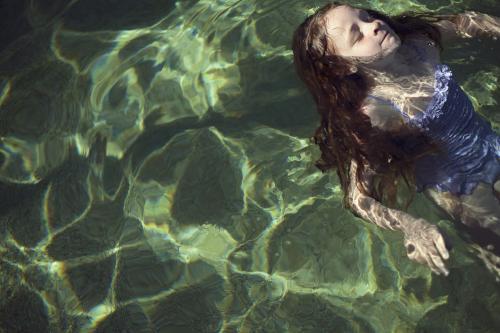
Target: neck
392,66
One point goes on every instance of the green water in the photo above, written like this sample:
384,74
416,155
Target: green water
156,175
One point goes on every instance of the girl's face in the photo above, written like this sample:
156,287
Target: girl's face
353,33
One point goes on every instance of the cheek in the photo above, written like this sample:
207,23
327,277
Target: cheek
370,49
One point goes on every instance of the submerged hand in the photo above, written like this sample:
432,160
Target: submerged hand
474,23
425,244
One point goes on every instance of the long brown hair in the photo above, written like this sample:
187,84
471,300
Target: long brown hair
345,133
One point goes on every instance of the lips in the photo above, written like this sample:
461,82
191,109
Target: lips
386,33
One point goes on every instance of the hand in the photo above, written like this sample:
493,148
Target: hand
425,244
474,23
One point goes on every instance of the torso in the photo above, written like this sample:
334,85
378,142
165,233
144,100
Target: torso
410,93
470,147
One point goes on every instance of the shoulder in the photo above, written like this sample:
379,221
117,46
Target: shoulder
383,114
424,49
423,42
419,39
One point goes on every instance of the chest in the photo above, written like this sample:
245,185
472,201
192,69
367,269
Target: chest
411,92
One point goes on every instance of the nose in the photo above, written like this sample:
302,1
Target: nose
376,27
373,27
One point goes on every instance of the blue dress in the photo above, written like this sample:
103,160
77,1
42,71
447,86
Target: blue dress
471,149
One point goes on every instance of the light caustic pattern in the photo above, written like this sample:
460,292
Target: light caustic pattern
156,175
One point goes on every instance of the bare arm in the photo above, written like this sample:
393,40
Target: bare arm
423,241
469,24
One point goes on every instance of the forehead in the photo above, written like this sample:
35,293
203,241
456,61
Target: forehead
337,19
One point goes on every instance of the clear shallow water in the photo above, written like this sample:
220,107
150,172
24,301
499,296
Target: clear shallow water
156,176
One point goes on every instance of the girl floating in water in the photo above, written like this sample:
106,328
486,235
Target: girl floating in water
390,111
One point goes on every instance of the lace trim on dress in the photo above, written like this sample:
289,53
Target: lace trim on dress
434,110
443,76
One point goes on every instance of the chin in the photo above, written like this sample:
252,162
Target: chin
390,49
397,41
382,58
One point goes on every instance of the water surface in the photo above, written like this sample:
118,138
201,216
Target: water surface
156,175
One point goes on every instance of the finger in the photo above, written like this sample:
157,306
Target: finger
441,246
431,265
439,264
422,258
435,257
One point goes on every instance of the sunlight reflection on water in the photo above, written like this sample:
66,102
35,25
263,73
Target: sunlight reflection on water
156,175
